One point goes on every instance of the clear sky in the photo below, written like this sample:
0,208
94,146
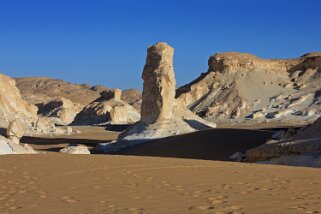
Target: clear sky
104,41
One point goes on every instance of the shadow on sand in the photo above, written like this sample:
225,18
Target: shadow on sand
116,128
210,144
55,144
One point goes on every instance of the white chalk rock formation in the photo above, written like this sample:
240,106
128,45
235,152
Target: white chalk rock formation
12,106
9,146
108,109
243,88
161,115
75,149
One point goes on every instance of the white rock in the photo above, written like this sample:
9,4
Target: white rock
77,149
7,146
15,130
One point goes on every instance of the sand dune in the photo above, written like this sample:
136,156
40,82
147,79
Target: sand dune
55,183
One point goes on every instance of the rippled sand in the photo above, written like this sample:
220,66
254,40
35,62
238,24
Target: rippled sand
56,183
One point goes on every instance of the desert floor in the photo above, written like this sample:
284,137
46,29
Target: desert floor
57,183
131,183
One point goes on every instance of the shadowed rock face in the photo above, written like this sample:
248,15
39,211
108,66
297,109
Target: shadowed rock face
159,84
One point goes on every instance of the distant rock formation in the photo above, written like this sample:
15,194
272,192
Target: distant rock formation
241,88
39,90
161,116
108,109
61,110
61,100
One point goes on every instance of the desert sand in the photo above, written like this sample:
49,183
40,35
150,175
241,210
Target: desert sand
57,183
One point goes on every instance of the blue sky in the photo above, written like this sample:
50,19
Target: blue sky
104,42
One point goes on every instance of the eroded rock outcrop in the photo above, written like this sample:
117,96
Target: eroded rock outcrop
306,142
161,114
108,109
159,84
241,88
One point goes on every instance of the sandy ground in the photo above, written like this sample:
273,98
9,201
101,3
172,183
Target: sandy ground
57,183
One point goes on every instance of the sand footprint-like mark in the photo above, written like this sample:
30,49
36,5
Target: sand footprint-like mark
69,199
42,194
134,210
312,212
204,207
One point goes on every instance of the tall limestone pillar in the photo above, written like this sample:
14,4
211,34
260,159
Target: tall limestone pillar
159,84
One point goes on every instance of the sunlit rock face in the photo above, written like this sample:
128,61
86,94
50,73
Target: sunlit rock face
159,84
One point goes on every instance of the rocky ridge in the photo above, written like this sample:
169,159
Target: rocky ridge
242,88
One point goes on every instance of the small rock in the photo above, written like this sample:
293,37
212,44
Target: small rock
15,131
75,149
237,156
